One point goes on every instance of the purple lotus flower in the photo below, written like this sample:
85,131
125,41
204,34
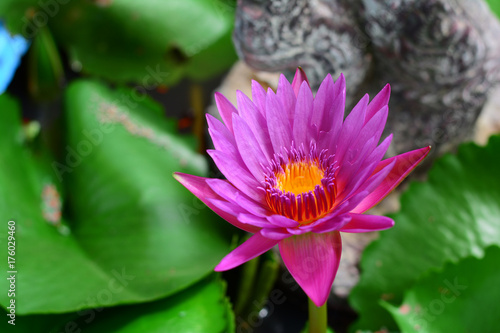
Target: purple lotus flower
298,174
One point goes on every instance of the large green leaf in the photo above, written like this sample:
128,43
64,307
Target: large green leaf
462,298
150,42
135,233
201,308
455,214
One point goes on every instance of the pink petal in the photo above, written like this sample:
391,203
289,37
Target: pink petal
259,97
199,187
323,102
373,128
253,247
230,193
332,223
376,178
404,164
256,122
287,96
254,220
351,129
334,116
226,109
345,186
313,260
303,112
278,123
249,148
275,233
378,102
367,223
282,221
230,207
300,76
237,174
366,179
222,138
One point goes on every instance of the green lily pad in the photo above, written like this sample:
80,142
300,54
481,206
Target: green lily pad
462,298
202,308
148,42
134,233
453,215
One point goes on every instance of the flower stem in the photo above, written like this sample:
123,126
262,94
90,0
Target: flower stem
317,318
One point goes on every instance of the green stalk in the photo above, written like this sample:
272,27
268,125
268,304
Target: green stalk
317,318
247,279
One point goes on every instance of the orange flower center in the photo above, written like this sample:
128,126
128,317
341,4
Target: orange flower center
299,177
302,187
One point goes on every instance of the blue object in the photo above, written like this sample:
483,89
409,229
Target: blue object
12,49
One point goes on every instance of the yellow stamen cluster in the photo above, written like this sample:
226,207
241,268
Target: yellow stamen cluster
299,177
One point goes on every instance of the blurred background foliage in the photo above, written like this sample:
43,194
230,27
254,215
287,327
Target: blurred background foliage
107,103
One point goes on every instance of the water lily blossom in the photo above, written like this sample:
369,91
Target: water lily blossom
298,174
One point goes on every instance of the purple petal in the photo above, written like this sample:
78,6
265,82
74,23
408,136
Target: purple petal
348,205
350,170
373,128
334,117
259,97
199,187
351,129
378,102
367,223
249,148
254,220
300,76
256,122
361,152
303,112
253,247
375,179
275,233
282,221
346,186
322,103
226,109
227,206
404,164
237,174
332,223
300,230
278,123
313,260
230,193
222,138
287,96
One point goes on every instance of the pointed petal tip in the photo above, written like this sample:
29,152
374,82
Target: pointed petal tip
403,165
179,176
221,267
300,76
218,95
251,248
367,223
